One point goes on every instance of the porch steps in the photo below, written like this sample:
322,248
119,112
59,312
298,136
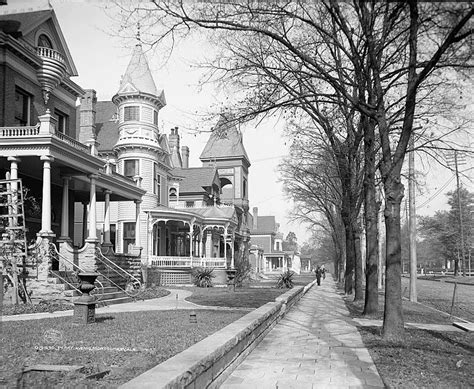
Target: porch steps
112,295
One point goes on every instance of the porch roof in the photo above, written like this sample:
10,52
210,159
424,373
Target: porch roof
206,215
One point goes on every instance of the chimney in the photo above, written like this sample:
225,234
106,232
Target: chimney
185,156
255,218
87,110
174,139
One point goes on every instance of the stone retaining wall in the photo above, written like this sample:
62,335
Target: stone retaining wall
208,363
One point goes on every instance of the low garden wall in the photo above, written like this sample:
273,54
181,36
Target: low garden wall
208,363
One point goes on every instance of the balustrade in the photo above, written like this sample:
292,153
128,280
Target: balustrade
187,262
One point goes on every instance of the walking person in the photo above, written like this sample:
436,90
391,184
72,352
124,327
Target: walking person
319,273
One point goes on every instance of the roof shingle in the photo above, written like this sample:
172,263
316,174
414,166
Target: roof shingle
194,179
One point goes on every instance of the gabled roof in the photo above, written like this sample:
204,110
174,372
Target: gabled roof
137,77
31,15
265,225
195,179
225,142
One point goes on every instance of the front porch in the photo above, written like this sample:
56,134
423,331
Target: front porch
58,172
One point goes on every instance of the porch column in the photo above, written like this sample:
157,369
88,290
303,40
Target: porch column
201,248
92,210
65,210
225,243
191,234
14,187
46,201
137,223
107,218
233,251
85,221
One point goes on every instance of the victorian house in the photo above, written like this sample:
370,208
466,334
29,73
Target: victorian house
267,239
101,183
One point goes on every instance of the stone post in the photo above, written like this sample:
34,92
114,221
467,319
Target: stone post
47,123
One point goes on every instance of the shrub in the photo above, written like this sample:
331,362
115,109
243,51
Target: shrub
243,270
203,277
286,280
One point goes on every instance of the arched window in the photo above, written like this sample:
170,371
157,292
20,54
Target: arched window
172,195
44,41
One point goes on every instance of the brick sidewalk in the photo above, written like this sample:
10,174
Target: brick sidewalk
316,345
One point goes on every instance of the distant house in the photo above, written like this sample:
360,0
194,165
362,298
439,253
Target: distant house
265,235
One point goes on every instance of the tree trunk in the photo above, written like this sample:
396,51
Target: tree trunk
358,295
456,264
371,209
350,259
371,270
393,327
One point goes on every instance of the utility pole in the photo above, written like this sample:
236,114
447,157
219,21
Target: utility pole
412,218
459,160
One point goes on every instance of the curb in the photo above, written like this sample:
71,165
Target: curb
209,362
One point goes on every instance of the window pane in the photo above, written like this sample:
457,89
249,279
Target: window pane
130,168
21,107
63,121
131,113
43,41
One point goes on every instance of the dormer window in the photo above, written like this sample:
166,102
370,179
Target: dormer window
44,41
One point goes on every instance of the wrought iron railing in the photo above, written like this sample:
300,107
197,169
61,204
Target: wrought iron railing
133,286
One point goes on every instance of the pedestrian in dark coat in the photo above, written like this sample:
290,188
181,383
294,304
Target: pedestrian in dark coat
319,273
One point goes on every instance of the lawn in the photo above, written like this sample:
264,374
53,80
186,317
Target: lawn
127,344
428,359
48,306
244,297
439,295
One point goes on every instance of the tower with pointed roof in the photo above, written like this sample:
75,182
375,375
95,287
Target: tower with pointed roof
225,151
141,150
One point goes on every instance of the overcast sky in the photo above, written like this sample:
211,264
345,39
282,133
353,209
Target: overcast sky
101,58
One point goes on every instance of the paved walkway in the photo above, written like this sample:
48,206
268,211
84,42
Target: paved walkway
316,345
175,300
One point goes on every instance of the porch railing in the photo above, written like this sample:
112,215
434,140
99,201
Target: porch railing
72,142
18,132
28,131
187,262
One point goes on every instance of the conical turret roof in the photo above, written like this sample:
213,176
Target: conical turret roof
137,77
